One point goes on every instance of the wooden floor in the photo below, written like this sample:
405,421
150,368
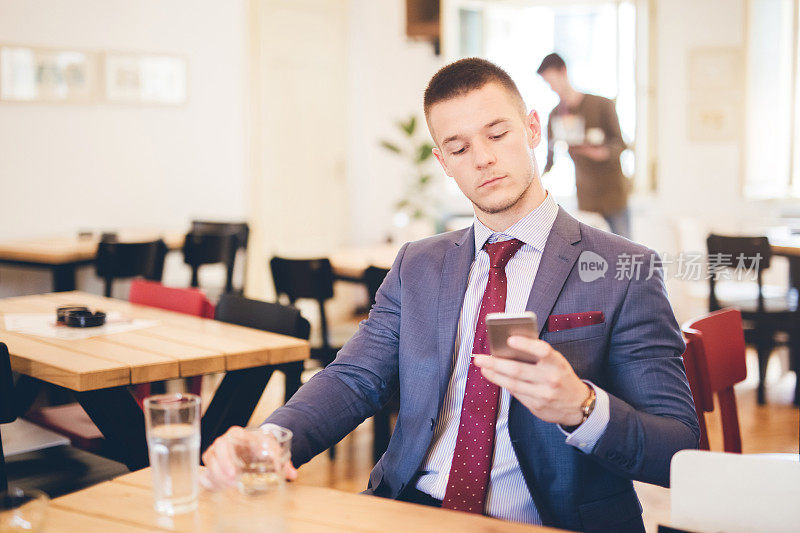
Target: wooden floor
769,428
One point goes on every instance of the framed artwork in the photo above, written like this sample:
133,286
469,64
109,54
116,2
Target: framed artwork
145,79
39,75
716,96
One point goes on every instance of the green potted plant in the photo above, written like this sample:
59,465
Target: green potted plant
416,210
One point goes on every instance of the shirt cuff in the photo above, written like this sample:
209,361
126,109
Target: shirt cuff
587,434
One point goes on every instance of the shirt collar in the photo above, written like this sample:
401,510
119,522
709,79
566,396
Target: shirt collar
533,229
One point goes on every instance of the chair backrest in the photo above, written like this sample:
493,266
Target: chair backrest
720,355
241,229
712,491
154,294
267,316
373,277
693,375
302,278
736,252
208,248
130,259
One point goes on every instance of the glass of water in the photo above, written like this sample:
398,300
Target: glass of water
261,454
173,440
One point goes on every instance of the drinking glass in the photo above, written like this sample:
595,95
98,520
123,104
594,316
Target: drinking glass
172,423
22,510
261,454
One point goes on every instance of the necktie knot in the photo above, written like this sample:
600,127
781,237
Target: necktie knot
501,252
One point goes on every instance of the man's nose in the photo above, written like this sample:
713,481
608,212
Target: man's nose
483,154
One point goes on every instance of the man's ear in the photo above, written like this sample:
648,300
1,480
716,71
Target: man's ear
534,129
440,159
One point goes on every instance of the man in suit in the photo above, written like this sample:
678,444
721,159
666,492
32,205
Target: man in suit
600,185
557,440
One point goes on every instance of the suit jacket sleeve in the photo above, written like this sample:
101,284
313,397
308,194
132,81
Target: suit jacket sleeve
352,388
652,414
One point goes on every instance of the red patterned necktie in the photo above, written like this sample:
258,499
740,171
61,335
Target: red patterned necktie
472,459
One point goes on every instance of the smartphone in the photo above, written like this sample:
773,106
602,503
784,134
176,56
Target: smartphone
501,326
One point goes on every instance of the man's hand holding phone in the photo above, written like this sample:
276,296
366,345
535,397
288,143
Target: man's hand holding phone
535,374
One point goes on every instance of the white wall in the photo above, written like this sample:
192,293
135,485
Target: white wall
105,166
388,75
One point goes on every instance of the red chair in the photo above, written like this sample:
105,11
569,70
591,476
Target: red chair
154,294
718,350
690,362
188,301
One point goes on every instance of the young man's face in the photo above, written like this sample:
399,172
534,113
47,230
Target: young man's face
486,144
557,79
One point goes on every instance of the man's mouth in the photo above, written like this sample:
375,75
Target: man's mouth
490,181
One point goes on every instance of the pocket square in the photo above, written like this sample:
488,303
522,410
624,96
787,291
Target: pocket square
574,320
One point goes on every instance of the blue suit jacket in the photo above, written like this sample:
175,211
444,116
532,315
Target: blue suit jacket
409,339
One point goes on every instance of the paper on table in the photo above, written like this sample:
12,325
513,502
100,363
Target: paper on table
44,325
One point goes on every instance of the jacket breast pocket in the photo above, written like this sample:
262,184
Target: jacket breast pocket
575,334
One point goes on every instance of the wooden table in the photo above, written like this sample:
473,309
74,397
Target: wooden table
62,255
349,263
99,369
125,504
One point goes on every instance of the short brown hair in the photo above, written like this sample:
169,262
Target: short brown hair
551,61
465,75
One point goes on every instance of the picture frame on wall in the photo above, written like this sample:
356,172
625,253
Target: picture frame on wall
29,74
145,79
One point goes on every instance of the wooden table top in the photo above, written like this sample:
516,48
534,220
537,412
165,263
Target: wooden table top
179,346
68,249
352,261
125,504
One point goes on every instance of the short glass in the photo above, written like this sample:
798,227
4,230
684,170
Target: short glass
261,454
173,441
22,510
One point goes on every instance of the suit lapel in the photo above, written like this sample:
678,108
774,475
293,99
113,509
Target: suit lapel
453,287
558,258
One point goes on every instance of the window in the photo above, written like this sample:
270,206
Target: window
772,149
597,40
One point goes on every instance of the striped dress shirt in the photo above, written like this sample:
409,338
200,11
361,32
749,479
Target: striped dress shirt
508,496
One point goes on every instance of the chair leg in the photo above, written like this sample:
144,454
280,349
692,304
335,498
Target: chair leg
195,276
109,284
3,478
292,371
326,344
794,358
764,347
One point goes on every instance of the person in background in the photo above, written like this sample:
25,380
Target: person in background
599,399
589,125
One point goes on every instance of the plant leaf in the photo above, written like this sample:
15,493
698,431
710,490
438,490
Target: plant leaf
424,179
409,126
425,151
391,147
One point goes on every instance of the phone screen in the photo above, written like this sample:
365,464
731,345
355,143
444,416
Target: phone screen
501,326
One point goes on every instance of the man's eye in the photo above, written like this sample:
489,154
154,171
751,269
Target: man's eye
459,152
498,136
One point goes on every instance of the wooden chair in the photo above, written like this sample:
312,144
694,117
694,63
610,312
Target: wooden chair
211,248
765,310
309,279
718,350
692,374
117,260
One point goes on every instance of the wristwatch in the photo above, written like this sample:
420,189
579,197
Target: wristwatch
586,409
